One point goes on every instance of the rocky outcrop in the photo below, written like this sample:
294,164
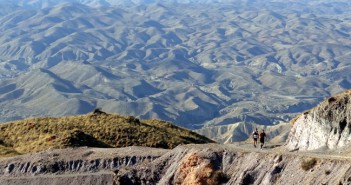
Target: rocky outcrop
75,160
71,166
327,126
226,164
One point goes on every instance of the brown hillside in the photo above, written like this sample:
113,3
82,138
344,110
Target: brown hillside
93,130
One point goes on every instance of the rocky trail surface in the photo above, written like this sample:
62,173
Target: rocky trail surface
236,163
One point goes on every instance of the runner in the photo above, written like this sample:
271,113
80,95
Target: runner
255,137
262,137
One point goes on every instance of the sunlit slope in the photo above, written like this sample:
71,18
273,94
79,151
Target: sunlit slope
93,130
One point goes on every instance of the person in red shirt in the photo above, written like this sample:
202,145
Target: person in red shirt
262,136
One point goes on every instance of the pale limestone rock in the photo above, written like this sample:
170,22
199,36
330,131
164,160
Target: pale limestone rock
326,126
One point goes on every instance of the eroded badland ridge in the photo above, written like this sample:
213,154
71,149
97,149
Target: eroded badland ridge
200,164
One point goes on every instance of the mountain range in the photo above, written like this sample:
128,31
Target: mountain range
195,64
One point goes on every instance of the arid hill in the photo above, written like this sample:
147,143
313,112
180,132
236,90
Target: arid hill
92,130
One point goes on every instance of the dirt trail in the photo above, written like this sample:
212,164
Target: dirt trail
278,148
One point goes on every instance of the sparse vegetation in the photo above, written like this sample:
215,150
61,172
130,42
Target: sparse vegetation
331,99
248,179
292,122
98,111
93,130
327,172
7,151
308,164
306,112
219,177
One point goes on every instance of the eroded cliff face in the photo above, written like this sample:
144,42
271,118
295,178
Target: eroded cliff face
326,126
76,161
226,164
205,164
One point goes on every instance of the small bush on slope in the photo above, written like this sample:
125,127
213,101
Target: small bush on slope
308,164
93,130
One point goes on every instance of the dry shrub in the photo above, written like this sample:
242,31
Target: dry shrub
293,121
308,164
327,172
331,99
